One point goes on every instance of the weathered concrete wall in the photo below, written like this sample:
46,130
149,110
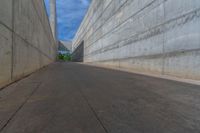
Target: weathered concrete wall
26,41
153,36
53,18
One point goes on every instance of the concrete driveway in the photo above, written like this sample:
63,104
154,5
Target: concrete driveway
75,98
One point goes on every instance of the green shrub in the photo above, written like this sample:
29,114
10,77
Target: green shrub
65,57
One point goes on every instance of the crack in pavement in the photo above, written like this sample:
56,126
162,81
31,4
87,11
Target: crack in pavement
20,107
92,109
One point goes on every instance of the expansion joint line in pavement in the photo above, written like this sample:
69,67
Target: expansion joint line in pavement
20,107
92,109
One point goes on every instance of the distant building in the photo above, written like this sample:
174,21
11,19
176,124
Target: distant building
67,44
64,47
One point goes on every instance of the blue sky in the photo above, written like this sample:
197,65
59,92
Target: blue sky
70,14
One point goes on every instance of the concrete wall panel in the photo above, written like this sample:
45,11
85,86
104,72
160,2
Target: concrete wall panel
21,58
153,36
183,64
6,12
26,40
5,55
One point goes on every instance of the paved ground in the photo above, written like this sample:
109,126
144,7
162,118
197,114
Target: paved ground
74,98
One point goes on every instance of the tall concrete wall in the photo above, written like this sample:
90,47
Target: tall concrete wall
26,41
152,36
53,18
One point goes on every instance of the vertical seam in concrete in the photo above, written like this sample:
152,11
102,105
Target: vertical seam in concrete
163,59
12,46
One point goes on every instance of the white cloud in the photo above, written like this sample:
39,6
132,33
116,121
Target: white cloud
70,14
85,2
